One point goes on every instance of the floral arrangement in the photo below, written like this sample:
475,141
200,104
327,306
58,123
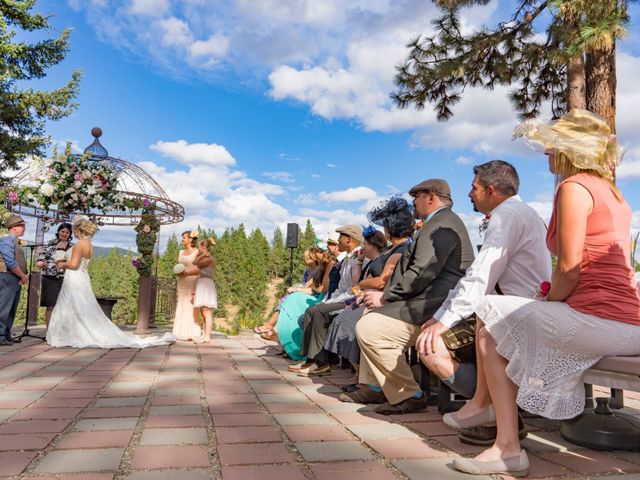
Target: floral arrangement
178,268
146,236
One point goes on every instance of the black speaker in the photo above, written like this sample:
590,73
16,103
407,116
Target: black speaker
292,235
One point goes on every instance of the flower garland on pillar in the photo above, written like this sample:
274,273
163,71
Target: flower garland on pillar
147,235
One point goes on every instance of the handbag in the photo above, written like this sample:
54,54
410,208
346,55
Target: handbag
460,340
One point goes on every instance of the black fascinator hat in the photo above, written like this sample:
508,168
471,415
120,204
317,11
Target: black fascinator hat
396,215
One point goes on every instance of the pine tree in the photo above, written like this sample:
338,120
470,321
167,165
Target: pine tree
23,110
573,67
279,255
169,257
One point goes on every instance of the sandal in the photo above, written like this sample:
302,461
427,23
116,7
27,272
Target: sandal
259,331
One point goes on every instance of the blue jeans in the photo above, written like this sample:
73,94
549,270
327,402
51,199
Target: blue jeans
9,299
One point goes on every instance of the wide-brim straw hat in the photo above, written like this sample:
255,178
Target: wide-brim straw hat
583,137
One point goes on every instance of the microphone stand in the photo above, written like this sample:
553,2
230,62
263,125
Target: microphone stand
25,332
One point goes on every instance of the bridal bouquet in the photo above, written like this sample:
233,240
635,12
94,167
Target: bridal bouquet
179,268
59,256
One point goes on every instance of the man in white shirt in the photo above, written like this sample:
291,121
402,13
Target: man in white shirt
513,260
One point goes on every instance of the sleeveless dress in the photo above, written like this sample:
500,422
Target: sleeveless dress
184,326
206,295
78,321
289,331
549,345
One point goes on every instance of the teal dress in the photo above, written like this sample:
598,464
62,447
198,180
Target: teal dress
289,332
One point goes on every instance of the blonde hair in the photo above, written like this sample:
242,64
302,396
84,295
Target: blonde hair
207,242
86,227
565,168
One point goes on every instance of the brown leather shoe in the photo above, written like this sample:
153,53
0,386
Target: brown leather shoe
486,435
363,395
409,405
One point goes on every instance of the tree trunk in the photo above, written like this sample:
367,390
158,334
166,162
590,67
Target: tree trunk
600,69
576,83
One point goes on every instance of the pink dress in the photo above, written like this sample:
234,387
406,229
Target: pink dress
184,325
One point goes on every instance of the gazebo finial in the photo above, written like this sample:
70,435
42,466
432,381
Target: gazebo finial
96,149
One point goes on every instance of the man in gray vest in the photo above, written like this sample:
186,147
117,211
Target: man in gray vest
13,274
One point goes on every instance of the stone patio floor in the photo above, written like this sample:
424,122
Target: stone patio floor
230,410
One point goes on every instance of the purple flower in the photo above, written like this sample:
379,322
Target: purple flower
146,202
135,262
13,197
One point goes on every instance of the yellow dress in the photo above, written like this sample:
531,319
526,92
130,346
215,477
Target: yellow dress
184,325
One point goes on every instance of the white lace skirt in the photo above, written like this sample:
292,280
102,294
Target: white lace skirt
206,294
549,346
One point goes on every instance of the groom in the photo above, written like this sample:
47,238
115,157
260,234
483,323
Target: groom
13,274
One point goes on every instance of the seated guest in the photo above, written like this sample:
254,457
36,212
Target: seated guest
266,330
316,319
431,266
397,219
535,352
301,298
334,250
513,259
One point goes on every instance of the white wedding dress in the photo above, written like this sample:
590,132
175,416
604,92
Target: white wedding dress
78,321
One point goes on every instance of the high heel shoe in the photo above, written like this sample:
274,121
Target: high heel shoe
485,417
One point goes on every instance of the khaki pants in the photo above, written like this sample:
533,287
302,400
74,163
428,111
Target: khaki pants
383,341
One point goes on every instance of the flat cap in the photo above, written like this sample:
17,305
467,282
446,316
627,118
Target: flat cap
353,231
435,185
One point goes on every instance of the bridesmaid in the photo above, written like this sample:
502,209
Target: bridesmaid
206,297
185,323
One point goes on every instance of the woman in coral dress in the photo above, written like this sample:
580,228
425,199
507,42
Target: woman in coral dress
185,323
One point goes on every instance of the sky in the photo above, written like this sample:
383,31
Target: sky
275,111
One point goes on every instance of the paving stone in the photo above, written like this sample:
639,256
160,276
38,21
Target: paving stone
319,388
235,408
343,407
34,426
171,474
7,413
262,472
21,394
62,402
254,453
351,471
120,402
548,442
380,431
94,424
432,429
332,451
176,410
453,443
14,463
25,441
303,419
360,417
231,398
112,412
87,393
316,433
100,439
73,476
407,448
307,407
247,435
240,419
633,476
589,461
174,421
433,468
170,457
176,400
89,460
539,468
270,386
633,457
282,398
178,391
174,436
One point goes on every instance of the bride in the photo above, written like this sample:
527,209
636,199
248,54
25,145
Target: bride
77,319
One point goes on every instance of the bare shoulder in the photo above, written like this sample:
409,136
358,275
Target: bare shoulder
86,248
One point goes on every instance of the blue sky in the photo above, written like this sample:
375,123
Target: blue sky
276,111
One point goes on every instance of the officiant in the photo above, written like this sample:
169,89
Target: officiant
51,276
13,274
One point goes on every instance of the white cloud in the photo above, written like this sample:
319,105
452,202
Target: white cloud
149,7
215,46
285,177
464,160
354,194
195,153
175,32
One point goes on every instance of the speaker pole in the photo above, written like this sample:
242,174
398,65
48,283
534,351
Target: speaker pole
291,268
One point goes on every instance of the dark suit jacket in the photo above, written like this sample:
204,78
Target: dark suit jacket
429,268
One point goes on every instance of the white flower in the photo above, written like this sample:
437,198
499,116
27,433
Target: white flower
86,174
74,197
91,190
59,255
47,189
179,268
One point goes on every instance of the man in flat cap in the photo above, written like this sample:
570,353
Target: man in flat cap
13,274
317,318
429,268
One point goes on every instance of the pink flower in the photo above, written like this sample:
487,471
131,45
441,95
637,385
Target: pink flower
544,288
12,197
